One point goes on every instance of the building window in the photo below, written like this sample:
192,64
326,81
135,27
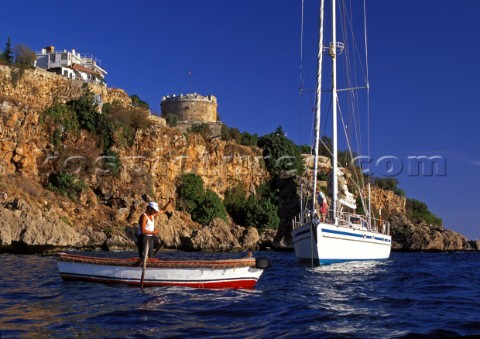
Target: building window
64,56
52,57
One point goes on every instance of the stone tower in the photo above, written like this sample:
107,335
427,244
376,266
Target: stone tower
192,108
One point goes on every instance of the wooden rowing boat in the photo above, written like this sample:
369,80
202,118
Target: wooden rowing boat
228,273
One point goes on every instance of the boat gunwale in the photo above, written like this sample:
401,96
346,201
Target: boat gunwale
157,263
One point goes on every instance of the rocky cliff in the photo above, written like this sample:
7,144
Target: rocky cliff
414,236
35,219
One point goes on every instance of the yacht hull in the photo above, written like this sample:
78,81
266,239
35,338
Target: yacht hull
327,244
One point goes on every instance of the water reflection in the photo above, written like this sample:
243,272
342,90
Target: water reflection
350,294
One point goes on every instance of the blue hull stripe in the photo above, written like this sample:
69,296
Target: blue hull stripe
353,234
342,233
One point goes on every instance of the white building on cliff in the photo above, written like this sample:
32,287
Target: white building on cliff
71,65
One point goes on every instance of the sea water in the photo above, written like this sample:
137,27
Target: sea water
411,294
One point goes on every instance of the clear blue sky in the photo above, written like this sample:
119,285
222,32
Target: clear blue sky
422,60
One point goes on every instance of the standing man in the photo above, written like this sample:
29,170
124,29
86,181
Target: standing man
146,228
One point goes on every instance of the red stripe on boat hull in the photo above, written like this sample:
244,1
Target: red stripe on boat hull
227,284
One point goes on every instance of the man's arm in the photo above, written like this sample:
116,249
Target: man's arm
164,209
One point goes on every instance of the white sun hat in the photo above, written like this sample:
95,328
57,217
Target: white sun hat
153,205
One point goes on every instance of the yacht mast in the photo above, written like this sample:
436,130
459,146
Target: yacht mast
333,51
317,104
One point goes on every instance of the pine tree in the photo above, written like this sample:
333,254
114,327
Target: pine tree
7,52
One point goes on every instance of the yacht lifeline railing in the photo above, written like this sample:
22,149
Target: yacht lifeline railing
345,219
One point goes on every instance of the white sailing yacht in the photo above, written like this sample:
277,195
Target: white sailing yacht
344,235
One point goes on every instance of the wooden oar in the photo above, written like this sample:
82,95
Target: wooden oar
146,248
156,252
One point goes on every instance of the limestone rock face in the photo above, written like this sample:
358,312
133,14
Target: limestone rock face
24,225
410,236
95,239
165,154
419,237
24,96
388,202
267,239
174,231
324,163
219,236
37,89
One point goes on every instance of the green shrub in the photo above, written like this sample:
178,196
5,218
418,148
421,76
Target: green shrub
66,184
86,109
389,184
171,119
189,192
280,153
112,163
61,123
56,113
115,125
202,205
122,123
258,210
249,139
305,149
56,137
400,192
105,129
417,211
268,191
262,214
265,207
209,207
325,147
229,133
236,204
137,102
245,138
